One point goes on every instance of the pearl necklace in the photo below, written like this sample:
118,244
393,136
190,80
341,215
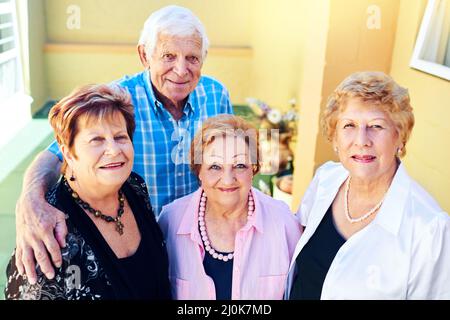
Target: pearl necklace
363,217
202,227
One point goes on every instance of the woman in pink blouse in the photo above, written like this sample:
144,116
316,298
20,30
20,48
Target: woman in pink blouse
228,240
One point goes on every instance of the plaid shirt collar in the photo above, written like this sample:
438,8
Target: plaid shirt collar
157,105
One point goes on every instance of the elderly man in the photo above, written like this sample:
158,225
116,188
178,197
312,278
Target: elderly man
171,100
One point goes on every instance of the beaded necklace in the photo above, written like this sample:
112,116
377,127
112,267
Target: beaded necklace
98,213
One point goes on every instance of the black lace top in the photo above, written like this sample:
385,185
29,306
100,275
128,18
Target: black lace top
90,269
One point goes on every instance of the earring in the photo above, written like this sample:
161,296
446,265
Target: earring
399,151
336,150
72,178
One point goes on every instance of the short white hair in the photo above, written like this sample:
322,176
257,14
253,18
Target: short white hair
175,21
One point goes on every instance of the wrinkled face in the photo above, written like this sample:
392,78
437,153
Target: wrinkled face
104,153
226,172
367,141
175,66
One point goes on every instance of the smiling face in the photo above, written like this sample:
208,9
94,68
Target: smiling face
226,172
175,66
367,141
103,153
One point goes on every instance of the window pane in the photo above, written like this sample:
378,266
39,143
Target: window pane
447,53
9,60
9,83
436,42
5,17
6,47
6,32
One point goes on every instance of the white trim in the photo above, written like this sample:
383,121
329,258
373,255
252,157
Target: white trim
11,156
6,25
6,40
17,104
433,68
13,53
8,55
17,109
6,7
416,62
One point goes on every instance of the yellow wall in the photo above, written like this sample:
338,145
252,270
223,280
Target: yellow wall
349,46
352,47
228,24
272,31
428,155
69,68
33,34
118,21
279,50
278,39
310,94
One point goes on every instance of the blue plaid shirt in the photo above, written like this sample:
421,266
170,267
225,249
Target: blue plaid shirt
161,144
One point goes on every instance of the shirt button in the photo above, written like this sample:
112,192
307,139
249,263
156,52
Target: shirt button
180,174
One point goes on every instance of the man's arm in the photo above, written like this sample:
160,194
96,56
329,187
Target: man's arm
40,228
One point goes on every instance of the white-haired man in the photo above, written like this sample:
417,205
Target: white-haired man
171,100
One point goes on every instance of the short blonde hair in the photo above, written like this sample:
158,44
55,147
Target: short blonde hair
221,126
91,102
371,88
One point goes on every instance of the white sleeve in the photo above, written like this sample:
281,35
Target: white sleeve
429,276
308,200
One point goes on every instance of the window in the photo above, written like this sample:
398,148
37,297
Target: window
432,50
14,102
10,70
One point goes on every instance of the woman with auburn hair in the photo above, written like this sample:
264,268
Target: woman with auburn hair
228,240
115,248
371,231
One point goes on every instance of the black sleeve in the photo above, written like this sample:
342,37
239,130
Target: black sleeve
139,186
140,192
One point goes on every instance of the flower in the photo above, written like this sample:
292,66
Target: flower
257,106
274,116
286,121
276,152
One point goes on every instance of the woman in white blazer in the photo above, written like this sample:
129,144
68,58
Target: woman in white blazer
371,232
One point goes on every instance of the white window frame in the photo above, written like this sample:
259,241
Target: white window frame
417,62
17,104
5,8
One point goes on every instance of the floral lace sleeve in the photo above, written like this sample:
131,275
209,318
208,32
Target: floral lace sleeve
81,276
18,287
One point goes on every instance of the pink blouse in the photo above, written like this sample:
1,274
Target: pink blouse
263,250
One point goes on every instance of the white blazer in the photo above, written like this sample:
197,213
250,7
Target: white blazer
404,253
